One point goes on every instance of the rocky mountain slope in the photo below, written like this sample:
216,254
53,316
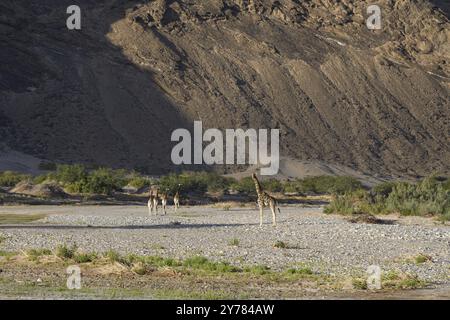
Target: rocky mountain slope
376,101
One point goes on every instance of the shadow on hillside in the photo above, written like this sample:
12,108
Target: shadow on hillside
444,5
109,111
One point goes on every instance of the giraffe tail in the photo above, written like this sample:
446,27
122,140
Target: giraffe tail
279,211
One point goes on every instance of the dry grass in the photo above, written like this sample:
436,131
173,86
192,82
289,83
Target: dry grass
20,218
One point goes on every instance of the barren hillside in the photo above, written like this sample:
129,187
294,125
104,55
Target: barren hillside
111,93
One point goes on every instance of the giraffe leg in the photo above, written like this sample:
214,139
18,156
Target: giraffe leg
260,215
274,216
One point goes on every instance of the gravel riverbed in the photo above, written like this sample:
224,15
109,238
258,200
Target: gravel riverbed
325,243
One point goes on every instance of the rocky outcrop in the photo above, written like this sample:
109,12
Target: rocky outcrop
376,101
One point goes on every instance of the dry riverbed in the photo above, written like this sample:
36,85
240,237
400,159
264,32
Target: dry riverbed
308,255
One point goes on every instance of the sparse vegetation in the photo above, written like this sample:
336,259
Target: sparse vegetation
234,242
301,270
427,197
34,254
19,218
323,185
422,258
65,252
280,245
11,178
84,257
392,280
359,284
80,179
258,270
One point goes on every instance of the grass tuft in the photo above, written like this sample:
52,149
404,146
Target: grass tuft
64,252
280,245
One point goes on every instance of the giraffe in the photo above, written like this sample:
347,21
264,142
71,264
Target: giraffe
176,201
153,201
265,200
164,198
150,204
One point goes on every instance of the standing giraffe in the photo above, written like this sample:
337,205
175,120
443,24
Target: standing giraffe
265,200
150,204
164,198
153,201
176,201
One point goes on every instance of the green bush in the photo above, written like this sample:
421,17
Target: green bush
11,178
64,252
428,196
198,182
446,184
323,185
341,204
104,181
292,187
70,174
272,185
245,185
76,179
383,189
330,185
40,179
139,182
84,257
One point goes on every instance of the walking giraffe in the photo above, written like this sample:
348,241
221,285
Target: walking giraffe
265,200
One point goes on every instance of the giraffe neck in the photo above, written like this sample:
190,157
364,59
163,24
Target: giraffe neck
257,186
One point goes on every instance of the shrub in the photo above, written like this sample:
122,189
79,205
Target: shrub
198,182
342,204
323,185
292,187
272,185
245,185
100,181
70,174
103,181
280,245
303,270
34,254
40,179
84,257
234,242
258,270
64,252
184,183
426,197
139,182
112,256
383,189
11,178
202,263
